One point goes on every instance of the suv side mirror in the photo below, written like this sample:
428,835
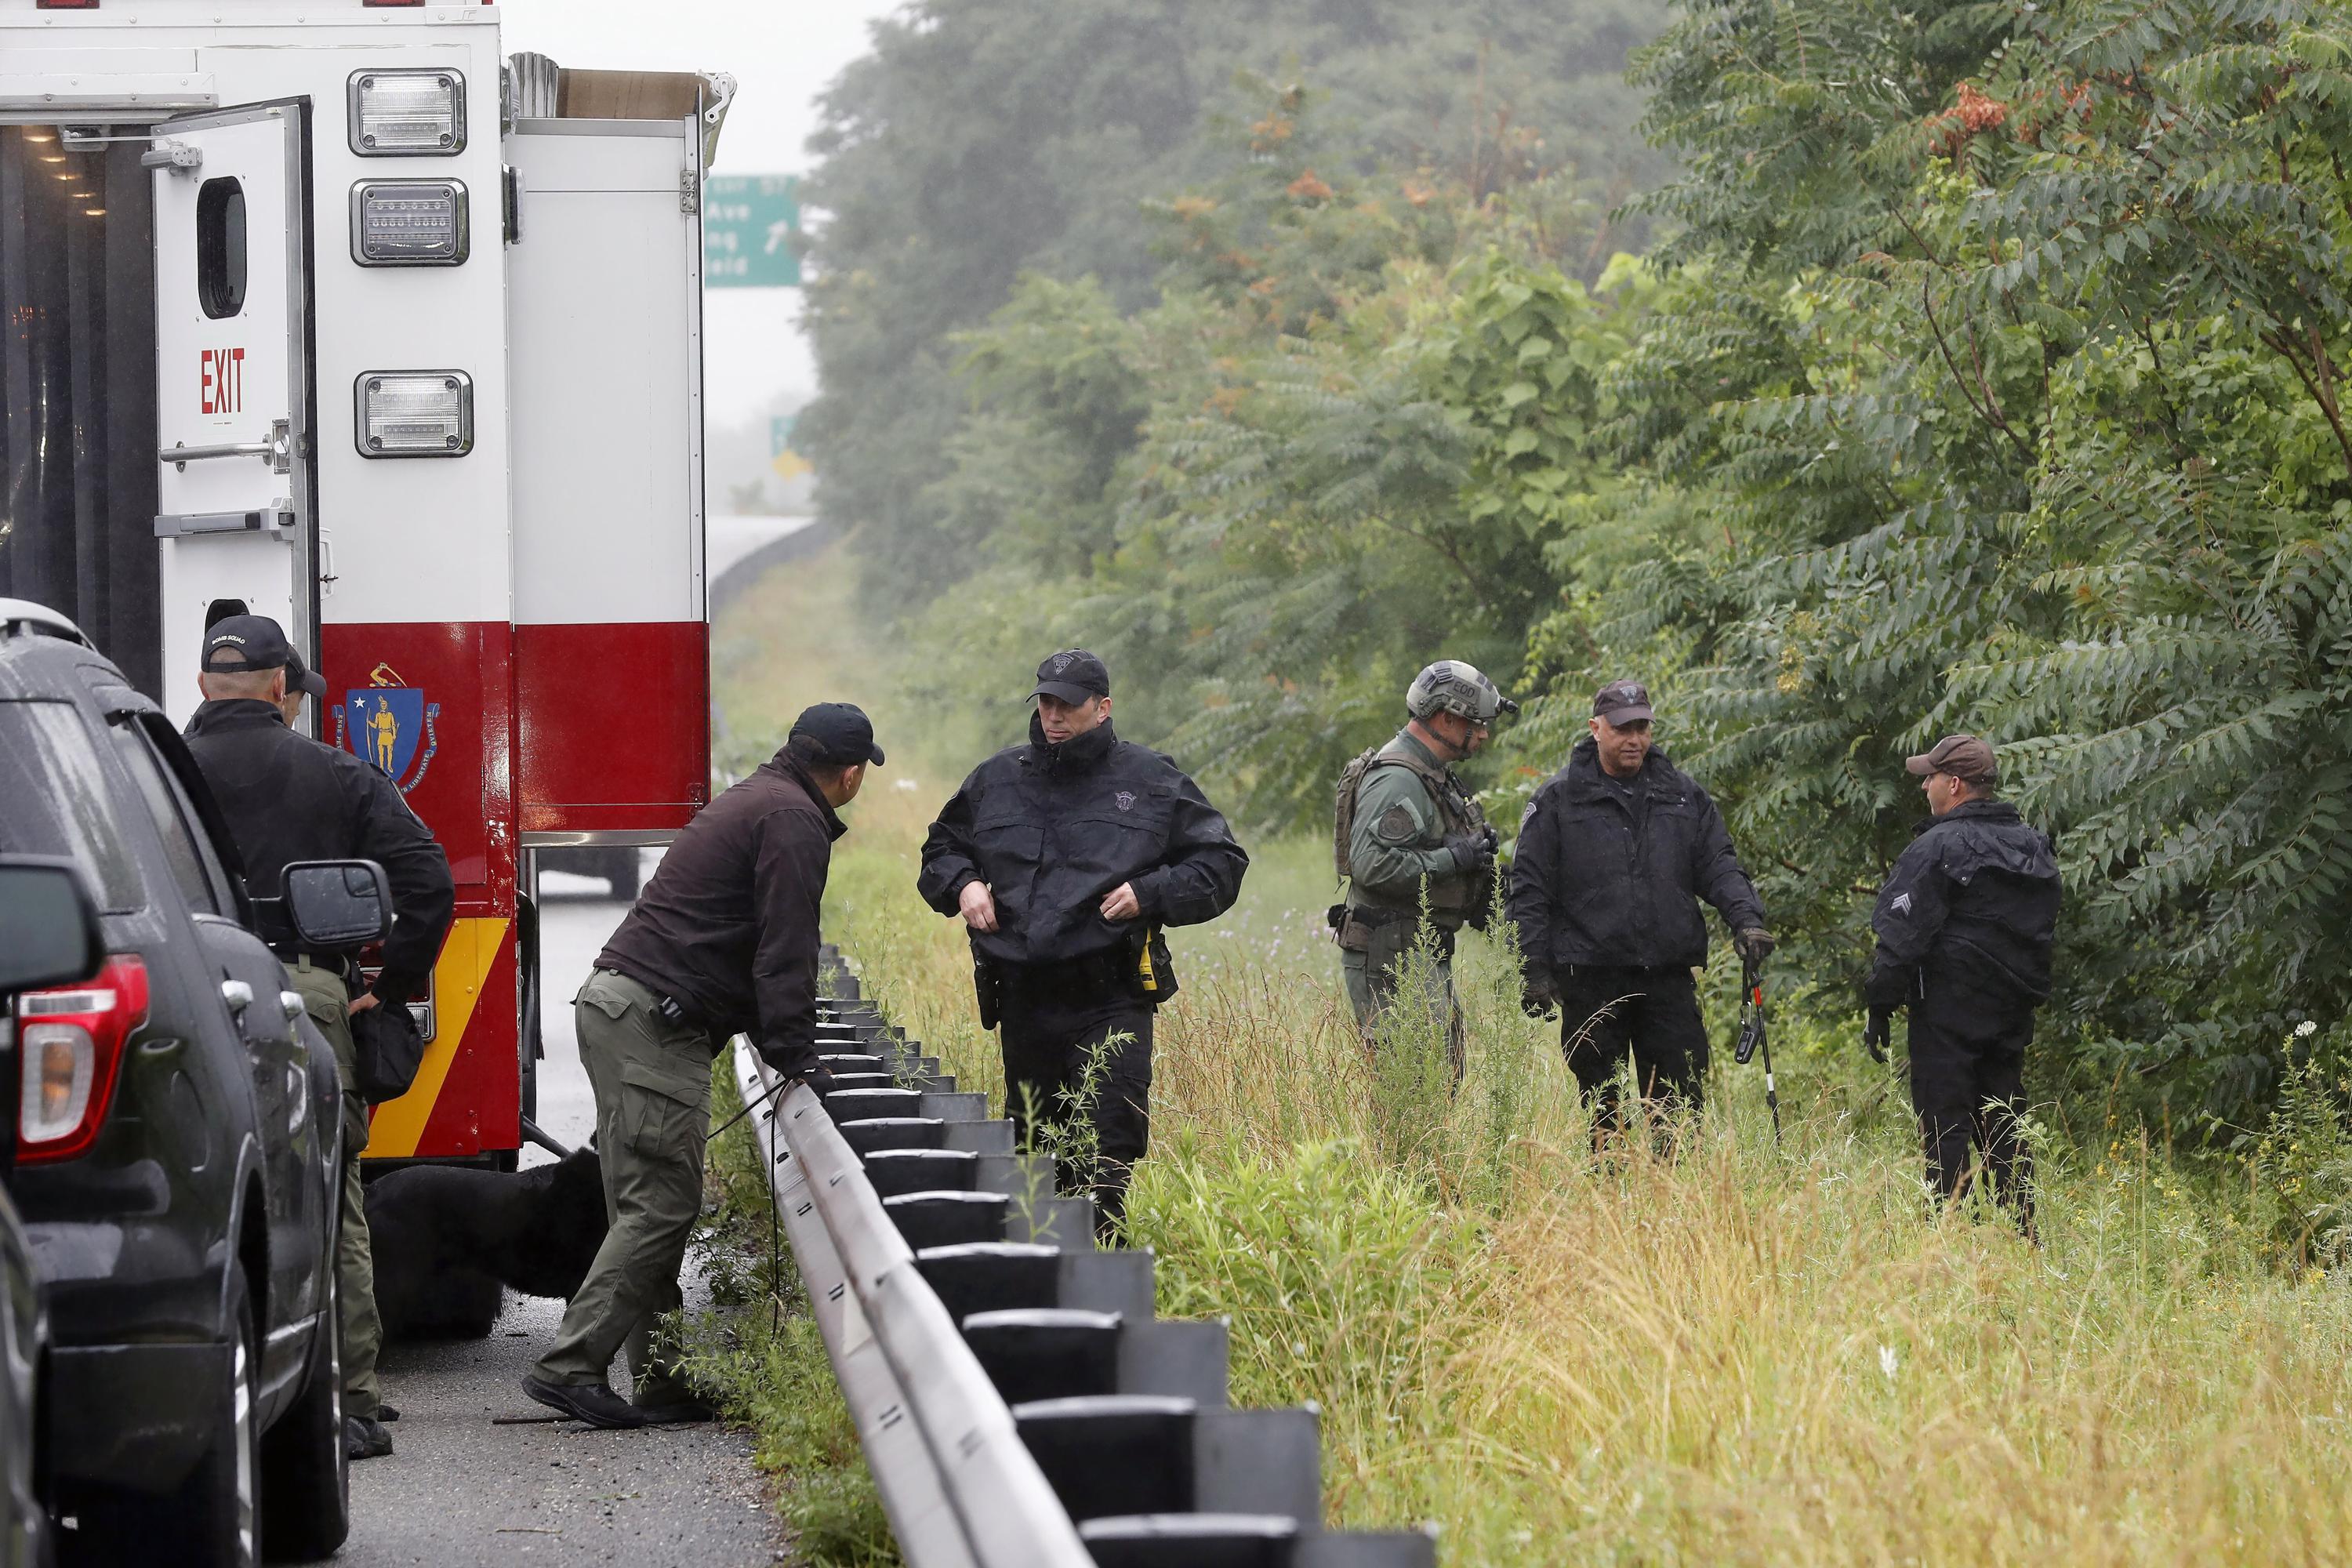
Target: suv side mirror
337,903
48,927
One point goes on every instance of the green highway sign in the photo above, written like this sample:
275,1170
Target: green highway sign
748,221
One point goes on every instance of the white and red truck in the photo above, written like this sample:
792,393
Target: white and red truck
327,309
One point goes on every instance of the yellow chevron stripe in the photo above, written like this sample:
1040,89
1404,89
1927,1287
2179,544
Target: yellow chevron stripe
465,964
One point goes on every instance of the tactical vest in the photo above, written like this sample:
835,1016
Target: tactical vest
1452,896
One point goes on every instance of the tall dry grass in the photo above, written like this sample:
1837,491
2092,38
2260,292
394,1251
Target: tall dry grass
1739,1354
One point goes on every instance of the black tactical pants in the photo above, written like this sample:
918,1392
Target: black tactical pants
1052,1020
1968,1084
1608,1013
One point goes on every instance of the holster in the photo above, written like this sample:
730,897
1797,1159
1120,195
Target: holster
1356,923
1148,973
988,988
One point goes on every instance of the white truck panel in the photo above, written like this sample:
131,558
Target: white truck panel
604,316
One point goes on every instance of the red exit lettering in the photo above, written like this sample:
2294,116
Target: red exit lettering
221,381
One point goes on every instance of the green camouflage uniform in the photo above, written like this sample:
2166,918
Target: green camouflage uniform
1405,810
328,1001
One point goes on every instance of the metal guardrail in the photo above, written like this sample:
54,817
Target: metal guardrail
1018,1401
959,1485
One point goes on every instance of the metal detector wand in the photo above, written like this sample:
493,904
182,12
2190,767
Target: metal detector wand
1754,1038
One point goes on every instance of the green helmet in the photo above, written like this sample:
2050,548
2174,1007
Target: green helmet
1450,686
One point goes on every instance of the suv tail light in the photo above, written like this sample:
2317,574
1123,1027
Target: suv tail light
70,1044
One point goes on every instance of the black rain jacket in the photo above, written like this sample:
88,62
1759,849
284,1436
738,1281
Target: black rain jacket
1970,913
728,927
1051,829
287,797
1588,888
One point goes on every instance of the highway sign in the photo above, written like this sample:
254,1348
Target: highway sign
748,224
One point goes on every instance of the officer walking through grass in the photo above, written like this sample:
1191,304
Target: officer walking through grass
1066,858
1613,854
1965,926
287,797
1409,837
722,941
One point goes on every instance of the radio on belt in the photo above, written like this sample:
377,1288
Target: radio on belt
408,222
415,414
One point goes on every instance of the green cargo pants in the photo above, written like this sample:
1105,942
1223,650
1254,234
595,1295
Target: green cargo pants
329,1004
1372,974
652,1079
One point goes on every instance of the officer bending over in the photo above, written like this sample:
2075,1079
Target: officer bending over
287,797
1410,835
1066,857
722,941
1613,854
1965,926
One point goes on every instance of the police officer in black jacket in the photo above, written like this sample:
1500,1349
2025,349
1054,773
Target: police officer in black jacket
1066,858
288,798
1965,926
723,940
1613,855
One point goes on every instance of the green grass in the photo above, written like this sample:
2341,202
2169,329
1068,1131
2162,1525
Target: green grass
1742,1353
760,1354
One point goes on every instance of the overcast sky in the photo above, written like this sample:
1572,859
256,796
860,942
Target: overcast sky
782,53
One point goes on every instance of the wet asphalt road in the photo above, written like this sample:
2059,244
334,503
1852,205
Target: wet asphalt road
460,1490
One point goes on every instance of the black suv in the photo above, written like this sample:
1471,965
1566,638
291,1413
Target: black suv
176,1149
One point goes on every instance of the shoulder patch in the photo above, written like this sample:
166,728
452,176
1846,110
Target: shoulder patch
1527,817
1396,826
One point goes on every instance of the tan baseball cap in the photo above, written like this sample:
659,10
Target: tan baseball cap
1962,756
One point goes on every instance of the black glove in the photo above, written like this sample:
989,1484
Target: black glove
1874,1032
1754,944
1469,850
1539,997
800,1062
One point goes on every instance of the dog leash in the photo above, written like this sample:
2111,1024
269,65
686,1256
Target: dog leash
752,1105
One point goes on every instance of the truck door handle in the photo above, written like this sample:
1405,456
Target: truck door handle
237,995
279,449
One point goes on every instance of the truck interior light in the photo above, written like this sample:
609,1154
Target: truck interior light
408,113
415,414
408,222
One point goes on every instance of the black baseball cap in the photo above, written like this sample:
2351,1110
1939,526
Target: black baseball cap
257,642
1073,675
841,729
1623,703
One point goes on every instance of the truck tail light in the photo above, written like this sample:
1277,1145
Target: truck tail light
408,113
70,1043
415,414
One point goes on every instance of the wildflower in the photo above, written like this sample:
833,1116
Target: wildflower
1886,1362
2305,1029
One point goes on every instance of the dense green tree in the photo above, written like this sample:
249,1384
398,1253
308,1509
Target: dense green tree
2013,374
981,138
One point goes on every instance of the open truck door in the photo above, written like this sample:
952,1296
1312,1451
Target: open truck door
234,416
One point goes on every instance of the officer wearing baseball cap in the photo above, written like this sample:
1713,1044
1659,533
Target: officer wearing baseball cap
287,797
722,941
1965,927
1613,854
1066,858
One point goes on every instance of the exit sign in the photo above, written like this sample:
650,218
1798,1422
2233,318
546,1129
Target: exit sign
749,225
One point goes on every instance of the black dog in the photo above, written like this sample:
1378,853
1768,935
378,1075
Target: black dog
445,1237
